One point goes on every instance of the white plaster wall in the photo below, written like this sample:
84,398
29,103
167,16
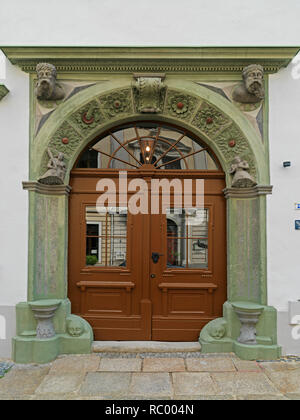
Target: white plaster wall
14,145
149,22
284,136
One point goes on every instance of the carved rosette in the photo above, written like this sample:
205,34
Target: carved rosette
210,120
149,94
180,106
88,117
116,103
230,136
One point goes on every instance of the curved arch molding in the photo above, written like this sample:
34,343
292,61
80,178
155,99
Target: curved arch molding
207,114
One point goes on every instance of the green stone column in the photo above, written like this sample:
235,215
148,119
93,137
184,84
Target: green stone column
249,325
246,238
45,325
48,236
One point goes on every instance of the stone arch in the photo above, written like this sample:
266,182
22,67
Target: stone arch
89,113
207,114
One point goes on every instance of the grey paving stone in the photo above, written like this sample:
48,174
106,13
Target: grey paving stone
75,364
247,366
22,380
193,383
204,397
286,381
120,365
263,397
293,396
105,384
244,383
210,365
151,384
174,364
63,383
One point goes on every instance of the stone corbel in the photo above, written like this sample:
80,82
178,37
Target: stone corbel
149,90
46,189
3,91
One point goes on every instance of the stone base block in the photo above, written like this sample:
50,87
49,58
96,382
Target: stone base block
34,350
225,334
72,334
256,352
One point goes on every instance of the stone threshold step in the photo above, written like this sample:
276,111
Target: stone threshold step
144,347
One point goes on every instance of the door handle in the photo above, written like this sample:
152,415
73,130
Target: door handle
155,257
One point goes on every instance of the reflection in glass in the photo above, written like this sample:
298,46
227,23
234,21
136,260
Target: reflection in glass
131,146
187,238
106,237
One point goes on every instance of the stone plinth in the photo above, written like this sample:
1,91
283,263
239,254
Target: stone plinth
44,311
248,314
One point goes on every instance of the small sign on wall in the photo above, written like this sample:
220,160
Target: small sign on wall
297,224
297,206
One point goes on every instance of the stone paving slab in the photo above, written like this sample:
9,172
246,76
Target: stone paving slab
75,364
120,365
193,383
163,365
286,381
151,385
209,377
263,397
243,383
145,346
210,365
21,381
63,383
247,366
106,384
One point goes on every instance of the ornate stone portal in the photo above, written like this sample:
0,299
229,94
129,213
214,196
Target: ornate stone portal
110,100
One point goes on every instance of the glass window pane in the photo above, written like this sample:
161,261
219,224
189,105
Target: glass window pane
107,246
125,148
198,253
187,243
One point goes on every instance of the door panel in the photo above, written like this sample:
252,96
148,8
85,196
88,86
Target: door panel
125,295
187,295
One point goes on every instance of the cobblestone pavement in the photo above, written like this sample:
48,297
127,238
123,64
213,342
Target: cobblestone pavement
152,376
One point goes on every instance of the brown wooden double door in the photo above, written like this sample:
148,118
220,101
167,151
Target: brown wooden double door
146,276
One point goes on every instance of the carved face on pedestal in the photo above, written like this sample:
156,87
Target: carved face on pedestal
75,328
217,331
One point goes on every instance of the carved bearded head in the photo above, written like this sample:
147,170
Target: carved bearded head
45,86
253,76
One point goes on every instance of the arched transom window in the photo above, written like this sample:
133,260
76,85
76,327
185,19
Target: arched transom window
147,143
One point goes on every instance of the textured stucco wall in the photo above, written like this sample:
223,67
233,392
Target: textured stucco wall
283,239
14,130
150,22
